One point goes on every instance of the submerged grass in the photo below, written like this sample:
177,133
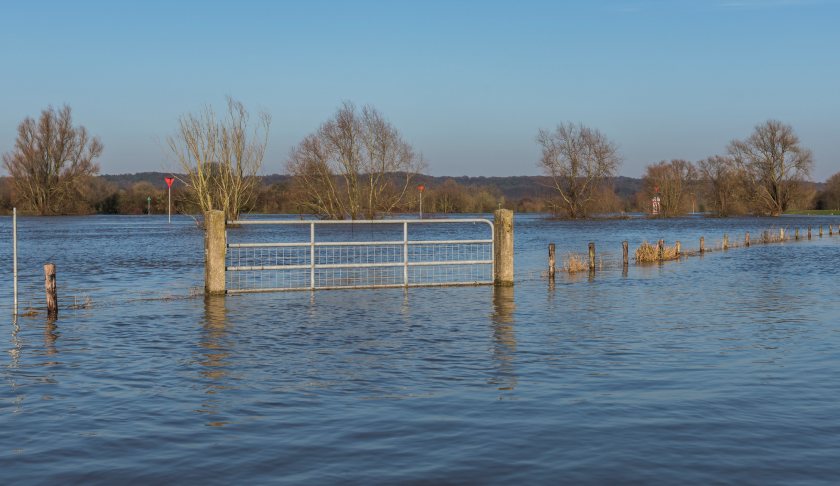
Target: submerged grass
648,253
575,262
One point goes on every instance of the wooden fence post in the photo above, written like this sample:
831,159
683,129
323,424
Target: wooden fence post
821,231
660,250
796,234
591,256
809,232
50,287
625,250
725,241
214,252
702,245
747,239
678,247
551,260
503,247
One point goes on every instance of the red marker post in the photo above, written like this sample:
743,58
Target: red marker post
421,188
169,181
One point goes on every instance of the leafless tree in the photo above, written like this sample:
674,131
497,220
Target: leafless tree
49,159
578,160
673,182
774,165
221,157
723,184
355,165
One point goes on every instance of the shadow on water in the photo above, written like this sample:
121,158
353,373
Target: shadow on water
214,358
504,338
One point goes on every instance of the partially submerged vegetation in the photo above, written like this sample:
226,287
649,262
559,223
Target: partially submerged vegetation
575,262
648,253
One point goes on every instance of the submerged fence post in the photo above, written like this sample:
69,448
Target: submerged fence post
809,232
14,259
725,241
781,234
625,250
678,247
503,247
660,250
796,234
591,256
747,239
702,245
214,252
50,288
551,260
820,231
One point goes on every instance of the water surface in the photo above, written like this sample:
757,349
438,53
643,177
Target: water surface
720,368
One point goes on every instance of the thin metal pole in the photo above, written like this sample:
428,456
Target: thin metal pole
14,258
405,253
169,204
312,256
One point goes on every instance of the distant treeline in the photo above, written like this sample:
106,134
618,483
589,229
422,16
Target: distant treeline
357,165
129,193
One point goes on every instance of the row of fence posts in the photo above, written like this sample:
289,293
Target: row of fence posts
660,247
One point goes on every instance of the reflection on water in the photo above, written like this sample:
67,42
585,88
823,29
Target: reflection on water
504,338
50,337
215,358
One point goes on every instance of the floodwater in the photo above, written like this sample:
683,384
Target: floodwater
715,369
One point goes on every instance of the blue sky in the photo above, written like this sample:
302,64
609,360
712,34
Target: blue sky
467,83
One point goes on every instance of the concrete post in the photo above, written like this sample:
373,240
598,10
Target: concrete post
503,247
214,252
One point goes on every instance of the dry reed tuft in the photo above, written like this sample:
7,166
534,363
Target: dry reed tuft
647,253
575,263
774,236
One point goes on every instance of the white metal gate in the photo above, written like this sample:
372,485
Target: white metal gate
361,254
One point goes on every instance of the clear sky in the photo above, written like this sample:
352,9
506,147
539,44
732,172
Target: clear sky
467,83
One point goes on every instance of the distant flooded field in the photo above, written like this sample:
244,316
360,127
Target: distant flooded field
715,368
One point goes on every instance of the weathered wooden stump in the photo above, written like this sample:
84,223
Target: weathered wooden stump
551,261
625,252
52,292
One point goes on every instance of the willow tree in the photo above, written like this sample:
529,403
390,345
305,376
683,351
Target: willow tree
774,165
355,165
221,157
50,159
578,160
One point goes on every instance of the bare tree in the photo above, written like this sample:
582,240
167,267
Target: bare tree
774,165
355,165
49,160
672,182
578,159
221,157
723,184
